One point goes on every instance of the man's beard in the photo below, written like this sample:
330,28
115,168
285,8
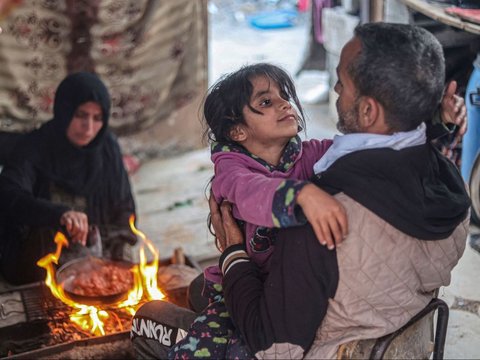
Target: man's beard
348,119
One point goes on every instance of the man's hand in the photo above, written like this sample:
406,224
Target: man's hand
233,234
326,215
216,223
227,232
453,109
76,224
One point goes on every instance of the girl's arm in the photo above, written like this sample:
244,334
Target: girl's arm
325,214
274,202
257,198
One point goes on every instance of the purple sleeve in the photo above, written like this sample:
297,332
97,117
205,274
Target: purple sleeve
257,198
312,151
285,211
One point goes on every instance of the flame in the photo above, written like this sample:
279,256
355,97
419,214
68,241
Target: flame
87,316
92,318
149,271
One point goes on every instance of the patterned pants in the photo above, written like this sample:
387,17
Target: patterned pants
212,335
162,330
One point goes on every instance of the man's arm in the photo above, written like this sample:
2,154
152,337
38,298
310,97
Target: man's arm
279,315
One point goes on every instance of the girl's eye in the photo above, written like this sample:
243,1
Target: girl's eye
266,102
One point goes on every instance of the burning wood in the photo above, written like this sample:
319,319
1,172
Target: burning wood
92,318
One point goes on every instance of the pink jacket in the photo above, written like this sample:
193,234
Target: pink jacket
263,195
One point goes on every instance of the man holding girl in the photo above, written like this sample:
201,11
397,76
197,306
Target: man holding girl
406,205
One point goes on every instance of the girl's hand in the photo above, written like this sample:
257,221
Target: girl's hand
76,223
453,109
326,215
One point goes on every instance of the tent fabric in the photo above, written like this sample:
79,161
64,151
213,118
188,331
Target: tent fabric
151,55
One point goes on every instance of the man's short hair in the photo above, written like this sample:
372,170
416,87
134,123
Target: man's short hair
402,67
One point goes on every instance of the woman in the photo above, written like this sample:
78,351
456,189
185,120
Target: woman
67,175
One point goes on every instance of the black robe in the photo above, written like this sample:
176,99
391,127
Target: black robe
47,176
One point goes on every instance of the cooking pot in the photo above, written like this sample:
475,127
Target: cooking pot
68,272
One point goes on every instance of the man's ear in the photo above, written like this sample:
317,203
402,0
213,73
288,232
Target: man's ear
370,113
238,133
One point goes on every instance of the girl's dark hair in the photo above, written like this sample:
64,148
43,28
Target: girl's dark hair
223,108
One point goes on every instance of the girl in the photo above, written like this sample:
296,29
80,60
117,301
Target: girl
261,167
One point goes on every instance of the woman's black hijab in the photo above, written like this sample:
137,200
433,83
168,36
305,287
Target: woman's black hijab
77,169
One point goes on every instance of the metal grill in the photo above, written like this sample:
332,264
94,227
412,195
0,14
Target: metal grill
40,304
32,320
34,324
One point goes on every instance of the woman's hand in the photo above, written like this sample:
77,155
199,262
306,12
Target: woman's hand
325,213
227,232
453,109
76,224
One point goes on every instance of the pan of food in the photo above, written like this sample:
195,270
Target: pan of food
94,281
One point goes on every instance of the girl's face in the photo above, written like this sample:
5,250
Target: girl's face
278,122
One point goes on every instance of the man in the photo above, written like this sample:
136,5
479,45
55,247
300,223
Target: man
406,204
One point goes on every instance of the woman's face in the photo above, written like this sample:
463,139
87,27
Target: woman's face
85,125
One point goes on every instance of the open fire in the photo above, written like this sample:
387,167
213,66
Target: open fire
92,318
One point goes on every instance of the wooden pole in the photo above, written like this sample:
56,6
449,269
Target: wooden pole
376,11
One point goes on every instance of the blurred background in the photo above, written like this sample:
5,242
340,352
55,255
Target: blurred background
159,57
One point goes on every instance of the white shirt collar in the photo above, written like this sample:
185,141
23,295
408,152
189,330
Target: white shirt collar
346,144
